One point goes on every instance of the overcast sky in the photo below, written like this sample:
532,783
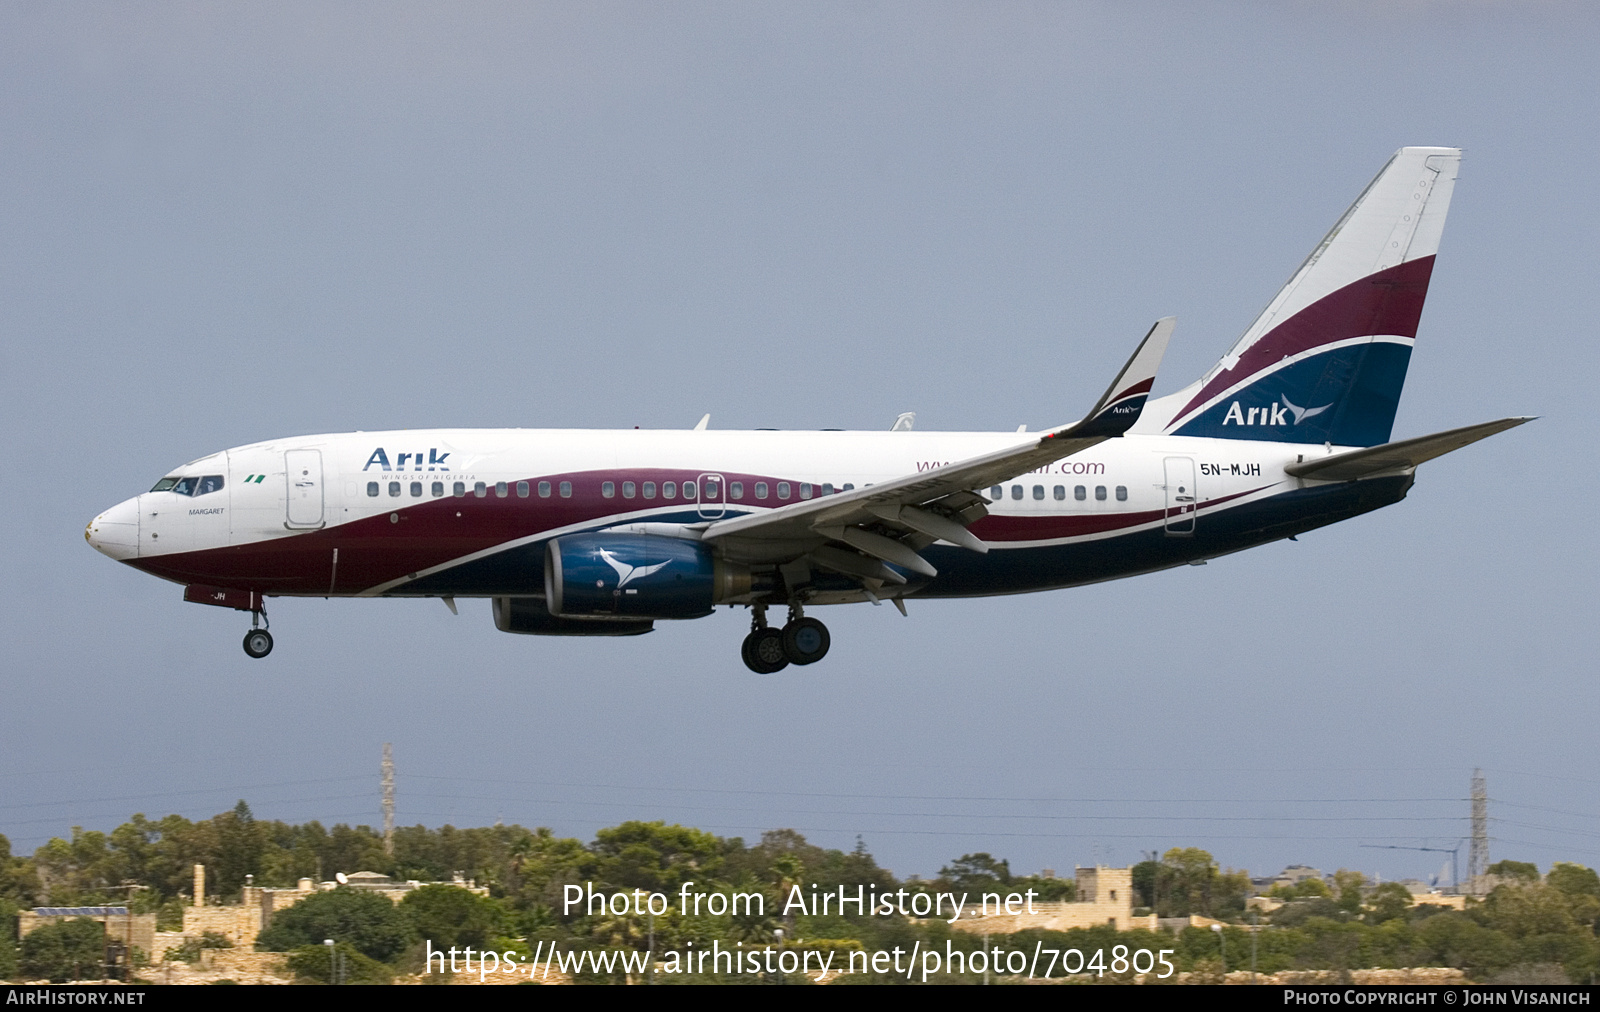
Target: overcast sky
226,223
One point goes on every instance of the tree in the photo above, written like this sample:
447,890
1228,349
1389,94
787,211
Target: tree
1526,909
1305,889
365,920
65,950
1581,887
655,856
449,916
976,872
1515,869
349,966
1185,881
8,939
1573,880
1348,884
1145,874
1388,902
239,848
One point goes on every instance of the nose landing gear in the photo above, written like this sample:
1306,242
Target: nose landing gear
258,641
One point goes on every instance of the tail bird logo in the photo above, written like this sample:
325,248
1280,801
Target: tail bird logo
627,573
1301,414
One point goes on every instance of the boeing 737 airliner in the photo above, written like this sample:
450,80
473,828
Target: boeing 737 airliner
602,533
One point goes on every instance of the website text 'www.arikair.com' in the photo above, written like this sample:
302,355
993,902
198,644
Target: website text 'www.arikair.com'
916,963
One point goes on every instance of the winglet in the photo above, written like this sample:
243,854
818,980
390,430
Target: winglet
1119,407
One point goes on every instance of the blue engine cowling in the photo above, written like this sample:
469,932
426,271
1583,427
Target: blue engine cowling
636,575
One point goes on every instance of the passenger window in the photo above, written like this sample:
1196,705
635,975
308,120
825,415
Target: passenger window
608,489
669,490
566,490
783,490
1038,492
522,490
649,490
394,488
1122,493
1100,493
848,486
761,490
372,489
996,493
480,490
500,489
416,490
629,490
437,490
1016,491
690,490
459,489
736,489
165,485
185,486
805,490
711,491
210,483
544,490
827,488
1061,492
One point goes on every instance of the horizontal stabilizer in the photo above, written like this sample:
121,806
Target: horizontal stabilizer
1398,456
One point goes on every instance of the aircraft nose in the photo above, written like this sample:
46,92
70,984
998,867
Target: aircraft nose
116,531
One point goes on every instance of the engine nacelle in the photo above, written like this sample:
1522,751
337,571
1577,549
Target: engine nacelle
530,615
637,576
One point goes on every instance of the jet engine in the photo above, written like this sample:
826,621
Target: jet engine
641,576
530,616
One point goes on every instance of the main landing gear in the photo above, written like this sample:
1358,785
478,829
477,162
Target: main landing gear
801,641
258,641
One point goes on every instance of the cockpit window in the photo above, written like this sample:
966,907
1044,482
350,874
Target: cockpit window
191,485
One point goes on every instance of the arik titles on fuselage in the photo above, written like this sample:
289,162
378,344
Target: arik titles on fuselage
603,533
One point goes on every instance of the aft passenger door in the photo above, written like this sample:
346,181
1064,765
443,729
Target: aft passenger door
303,473
1182,500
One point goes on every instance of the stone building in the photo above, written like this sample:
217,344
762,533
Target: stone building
240,923
133,930
1104,897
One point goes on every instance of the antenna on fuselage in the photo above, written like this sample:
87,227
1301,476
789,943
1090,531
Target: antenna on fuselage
705,420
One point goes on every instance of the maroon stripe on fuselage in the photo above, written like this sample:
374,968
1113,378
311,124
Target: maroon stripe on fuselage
1000,528
426,533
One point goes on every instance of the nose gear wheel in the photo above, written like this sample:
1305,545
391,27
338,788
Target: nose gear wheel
258,643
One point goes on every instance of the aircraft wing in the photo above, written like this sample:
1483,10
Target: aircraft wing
891,520
1403,455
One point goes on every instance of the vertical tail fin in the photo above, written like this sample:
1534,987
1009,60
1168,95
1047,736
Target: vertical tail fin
1326,360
